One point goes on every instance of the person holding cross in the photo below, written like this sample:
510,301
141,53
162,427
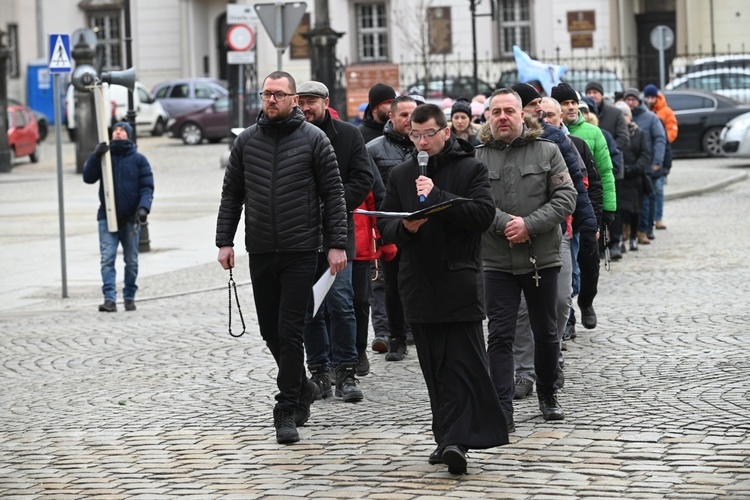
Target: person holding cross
533,194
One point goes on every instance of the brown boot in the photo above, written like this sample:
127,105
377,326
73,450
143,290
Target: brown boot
643,239
625,232
660,225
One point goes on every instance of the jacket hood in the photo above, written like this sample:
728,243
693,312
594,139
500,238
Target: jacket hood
660,103
532,130
454,150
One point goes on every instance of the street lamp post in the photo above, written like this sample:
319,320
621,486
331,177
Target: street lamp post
475,72
5,158
145,242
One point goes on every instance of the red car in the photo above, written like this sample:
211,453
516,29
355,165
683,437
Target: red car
23,133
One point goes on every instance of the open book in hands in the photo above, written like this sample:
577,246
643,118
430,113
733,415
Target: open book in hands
419,214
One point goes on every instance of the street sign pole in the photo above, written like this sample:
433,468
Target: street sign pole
281,21
60,62
662,38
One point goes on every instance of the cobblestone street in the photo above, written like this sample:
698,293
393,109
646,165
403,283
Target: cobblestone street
163,403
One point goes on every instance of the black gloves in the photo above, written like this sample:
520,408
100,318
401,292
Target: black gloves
101,149
142,214
608,218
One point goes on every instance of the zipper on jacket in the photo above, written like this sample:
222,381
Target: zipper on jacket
274,227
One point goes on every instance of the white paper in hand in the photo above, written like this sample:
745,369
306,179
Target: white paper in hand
320,289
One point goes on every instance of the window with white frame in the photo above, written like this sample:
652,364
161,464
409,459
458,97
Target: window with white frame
515,28
106,25
372,32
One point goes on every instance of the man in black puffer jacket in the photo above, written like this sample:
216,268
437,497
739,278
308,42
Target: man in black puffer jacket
283,171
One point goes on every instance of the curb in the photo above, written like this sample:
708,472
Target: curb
706,189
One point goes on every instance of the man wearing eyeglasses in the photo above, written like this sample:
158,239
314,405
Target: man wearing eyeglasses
283,171
533,194
340,338
440,281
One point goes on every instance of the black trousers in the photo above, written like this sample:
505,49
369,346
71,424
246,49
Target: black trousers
362,292
281,286
393,306
502,293
588,264
465,410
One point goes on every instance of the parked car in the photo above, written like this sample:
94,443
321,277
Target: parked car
735,137
23,133
210,123
453,87
576,78
729,82
41,118
188,95
701,116
150,118
741,61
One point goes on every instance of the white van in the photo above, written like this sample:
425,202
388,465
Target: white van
150,118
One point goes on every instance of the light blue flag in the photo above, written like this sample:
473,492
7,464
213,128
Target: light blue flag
528,69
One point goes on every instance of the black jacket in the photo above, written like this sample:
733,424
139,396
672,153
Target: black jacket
596,195
584,219
389,150
370,128
637,162
354,167
286,176
440,271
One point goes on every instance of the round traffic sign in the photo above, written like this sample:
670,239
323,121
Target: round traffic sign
661,37
241,37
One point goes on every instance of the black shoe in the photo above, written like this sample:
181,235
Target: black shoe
109,306
572,332
509,420
129,305
524,388
409,338
633,245
623,248
588,317
455,458
650,235
286,431
310,392
397,351
322,379
380,344
560,382
363,364
347,385
550,408
436,457
615,253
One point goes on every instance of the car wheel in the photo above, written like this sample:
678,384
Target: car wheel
711,142
42,130
35,155
191,134
159,128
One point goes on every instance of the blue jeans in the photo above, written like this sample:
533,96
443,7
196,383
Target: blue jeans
128,235
651,211
659,197
339,337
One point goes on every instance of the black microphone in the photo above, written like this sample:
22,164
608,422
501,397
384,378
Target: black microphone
422,159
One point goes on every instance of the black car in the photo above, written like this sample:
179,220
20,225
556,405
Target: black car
701,116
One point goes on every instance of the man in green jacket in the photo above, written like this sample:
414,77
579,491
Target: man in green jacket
533,194
588,256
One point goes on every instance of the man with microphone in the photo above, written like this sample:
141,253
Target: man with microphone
440,276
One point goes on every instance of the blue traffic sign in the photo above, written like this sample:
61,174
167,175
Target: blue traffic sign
59,53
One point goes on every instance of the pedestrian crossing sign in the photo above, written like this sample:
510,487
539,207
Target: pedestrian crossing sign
59,53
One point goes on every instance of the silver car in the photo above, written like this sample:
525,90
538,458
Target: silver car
188,95
735,137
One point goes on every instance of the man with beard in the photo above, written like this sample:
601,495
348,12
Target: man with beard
335,345
387,151
376,113
283,171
